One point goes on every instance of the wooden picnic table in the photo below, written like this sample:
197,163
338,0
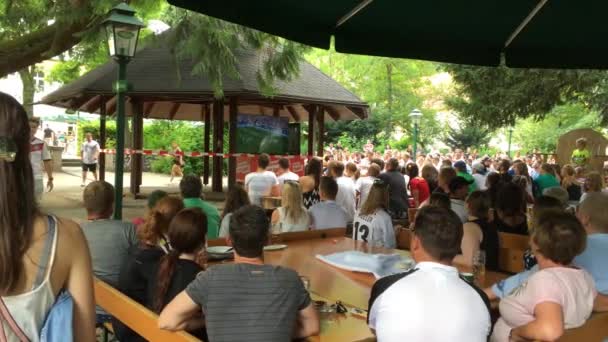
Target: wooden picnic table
331,284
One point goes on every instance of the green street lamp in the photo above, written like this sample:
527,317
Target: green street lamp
122,30
415,115
510,136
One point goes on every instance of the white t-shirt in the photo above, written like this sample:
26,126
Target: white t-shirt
480,181
39,152
363,185
375,229
328,214
89,149
259,184
288,176
346,196
430,303
571,288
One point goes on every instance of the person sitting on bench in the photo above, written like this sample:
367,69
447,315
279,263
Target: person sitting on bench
263,302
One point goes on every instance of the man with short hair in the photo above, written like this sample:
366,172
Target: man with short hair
89,154
454,310
191,189
109,240
346,189
459,189
461,170
479,175
261,182
40,157
284,173
328,213
397,189
247,300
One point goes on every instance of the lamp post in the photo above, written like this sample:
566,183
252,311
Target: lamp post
122,30
415,115
510,136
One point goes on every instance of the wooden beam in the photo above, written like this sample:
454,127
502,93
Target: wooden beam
311,129
320,142
261,108
218,145
76,103
138,144
294,114
333,113
359,112
232,136
174,110
276,111
148,108
206,137
93,104
111,106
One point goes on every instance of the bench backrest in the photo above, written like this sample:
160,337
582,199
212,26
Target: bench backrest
595,329
511,253
134,315
403,238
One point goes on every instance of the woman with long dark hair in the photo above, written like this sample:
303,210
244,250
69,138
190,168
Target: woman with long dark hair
40,255
177,269
237,197
310,182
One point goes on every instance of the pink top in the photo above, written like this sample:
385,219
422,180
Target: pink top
571,288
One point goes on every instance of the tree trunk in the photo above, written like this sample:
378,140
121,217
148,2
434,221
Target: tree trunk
29,89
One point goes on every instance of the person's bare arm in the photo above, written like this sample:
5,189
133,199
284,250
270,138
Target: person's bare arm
601,303
469,245
80,283
307,322
491,295
547,326
178,313
48,167
416,195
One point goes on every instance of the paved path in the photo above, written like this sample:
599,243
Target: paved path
66,199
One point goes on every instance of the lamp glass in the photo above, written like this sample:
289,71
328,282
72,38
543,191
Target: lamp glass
123,39
415,115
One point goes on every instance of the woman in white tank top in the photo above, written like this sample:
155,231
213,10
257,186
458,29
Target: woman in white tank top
44,255
291,216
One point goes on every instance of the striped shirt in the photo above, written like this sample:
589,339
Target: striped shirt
245,302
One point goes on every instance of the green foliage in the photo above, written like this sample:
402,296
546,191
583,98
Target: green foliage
543,135
499,96
159,134
467,134
92,127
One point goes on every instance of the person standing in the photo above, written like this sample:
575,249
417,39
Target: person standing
89,154
178,162
40,157
368,147
396,188
261,182
284,173
580,155
49,136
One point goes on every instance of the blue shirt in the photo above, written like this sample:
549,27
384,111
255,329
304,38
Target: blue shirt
594,260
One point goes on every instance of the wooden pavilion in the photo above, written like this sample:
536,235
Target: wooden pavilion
164,88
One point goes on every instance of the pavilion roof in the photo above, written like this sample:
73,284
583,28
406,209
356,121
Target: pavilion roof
169,90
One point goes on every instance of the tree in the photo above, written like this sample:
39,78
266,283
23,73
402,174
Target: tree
467,134
498,96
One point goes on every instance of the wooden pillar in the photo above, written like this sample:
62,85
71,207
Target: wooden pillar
311,129
321,118
206,136
218,145
232,135
102,139
137,160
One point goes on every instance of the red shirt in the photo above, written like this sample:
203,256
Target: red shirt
422,186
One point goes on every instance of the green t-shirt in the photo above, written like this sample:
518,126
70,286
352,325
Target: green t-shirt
580,157
470,179
545,181
213,215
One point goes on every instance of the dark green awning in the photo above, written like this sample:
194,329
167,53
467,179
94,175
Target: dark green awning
530,33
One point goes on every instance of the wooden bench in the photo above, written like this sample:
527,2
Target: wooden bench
511,252
135,316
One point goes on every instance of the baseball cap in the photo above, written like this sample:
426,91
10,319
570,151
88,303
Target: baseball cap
459,182
460,165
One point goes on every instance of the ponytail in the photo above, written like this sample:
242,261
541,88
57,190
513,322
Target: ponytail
166,269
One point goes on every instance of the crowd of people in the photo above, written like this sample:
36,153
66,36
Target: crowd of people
159,259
